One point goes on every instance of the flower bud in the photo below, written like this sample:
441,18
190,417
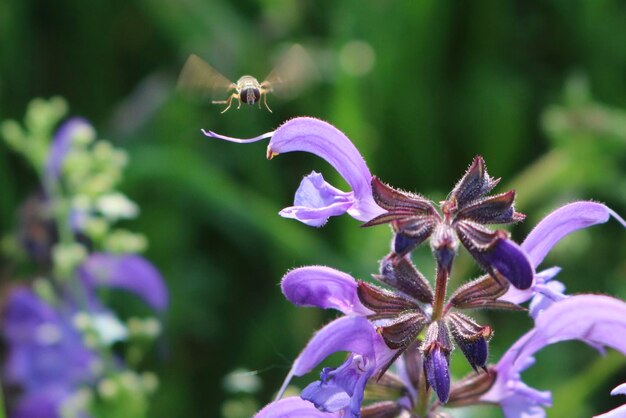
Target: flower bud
436,353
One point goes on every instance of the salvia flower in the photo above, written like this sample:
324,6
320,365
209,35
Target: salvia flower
399,333
554,227
316,200
339,389
594,319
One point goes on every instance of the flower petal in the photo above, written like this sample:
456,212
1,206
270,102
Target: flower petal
518,296
293,407
341,388
316,201
593,319
326,141
618,412
129,272
62,143
546,296
349,333
561,222
323,287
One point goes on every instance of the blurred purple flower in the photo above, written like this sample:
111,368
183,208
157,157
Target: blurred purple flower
47,357
542,238
316,200
594,319
128,272
339,389
62,143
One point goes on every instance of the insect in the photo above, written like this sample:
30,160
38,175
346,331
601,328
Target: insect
293,70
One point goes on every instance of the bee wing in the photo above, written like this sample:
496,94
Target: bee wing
199,79
294,70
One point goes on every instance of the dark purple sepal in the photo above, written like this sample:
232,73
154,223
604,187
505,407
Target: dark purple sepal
476,237
496,209
394,200
483,293
403,330
386,304
471,338
399,273
506,259
474,184
385,409
469,390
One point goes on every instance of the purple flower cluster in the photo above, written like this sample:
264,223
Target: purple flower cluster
398,337
50,357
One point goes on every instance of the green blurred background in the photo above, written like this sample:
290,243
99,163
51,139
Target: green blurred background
537,88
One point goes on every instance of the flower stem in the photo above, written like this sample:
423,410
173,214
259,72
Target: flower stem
441,285
422,397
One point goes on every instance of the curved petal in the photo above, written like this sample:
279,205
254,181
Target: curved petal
561,222
62,143
326,141
618,412
126,271
316,201
323,287
293,407
348,333
594,319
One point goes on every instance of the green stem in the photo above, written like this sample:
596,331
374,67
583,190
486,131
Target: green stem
422,397
2,410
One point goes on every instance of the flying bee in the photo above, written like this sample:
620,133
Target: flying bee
294,69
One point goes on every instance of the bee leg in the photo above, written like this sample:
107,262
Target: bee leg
229,102
265,103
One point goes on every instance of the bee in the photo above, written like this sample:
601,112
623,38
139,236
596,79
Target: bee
293,70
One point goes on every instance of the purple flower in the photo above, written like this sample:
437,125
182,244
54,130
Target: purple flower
47,357
543,237
45,348
125,271
339,389
316,200
293,407
594,319
44,403
62,143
